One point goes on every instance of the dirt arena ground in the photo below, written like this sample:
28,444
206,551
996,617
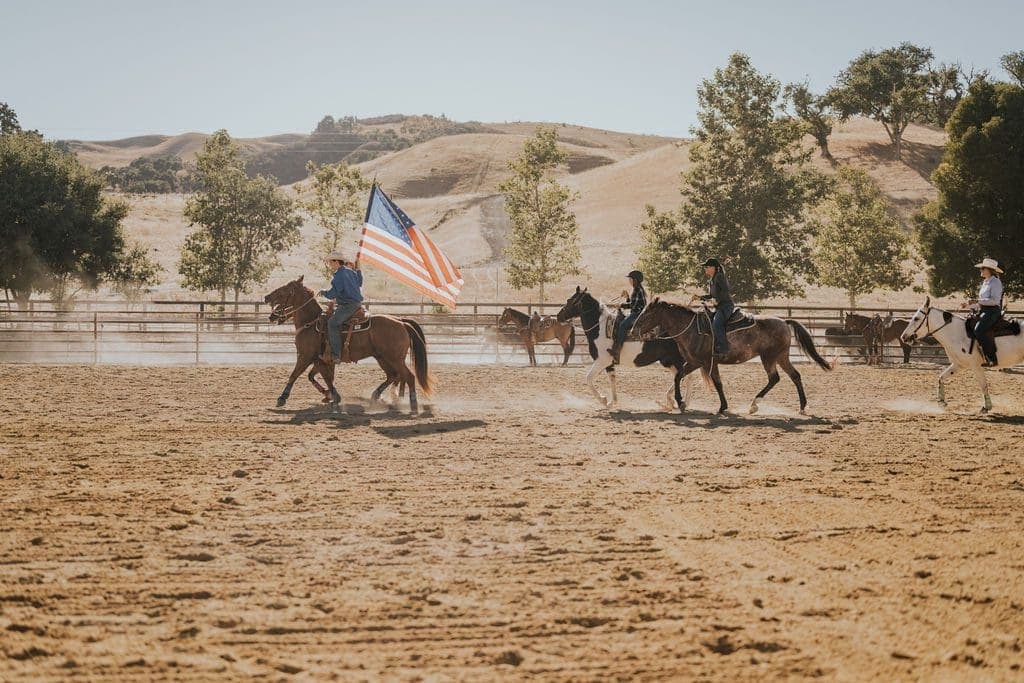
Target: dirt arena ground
171,523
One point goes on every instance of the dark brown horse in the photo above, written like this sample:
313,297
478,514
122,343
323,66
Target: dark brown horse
768,338
881,332
539,329
388,340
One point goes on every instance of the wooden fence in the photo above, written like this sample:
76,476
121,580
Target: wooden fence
218,333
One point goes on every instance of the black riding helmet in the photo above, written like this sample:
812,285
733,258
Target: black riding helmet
712,262
637,276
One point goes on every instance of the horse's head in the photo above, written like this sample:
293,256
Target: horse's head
651,320
285,298
917,321
573,307
507,318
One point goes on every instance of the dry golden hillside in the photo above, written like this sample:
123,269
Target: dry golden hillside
449,185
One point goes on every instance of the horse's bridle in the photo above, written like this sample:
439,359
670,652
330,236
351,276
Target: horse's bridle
284,313
926,321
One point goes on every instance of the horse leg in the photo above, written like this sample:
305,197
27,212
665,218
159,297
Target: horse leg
328,375
410,380
979,374
681,374
566,351
595,367
300,366
318,367
615,395
794,375
716,379
906,352
773,379
529,351
942,378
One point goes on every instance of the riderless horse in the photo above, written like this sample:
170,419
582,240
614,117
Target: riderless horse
950,330
386,338
539,329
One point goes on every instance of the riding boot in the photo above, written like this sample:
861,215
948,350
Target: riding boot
988,348
614,351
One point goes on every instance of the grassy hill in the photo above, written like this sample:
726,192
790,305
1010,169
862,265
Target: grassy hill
448,184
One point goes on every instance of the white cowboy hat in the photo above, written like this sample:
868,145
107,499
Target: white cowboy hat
338,256
989,263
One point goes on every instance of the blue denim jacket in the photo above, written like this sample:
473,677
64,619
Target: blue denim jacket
345,286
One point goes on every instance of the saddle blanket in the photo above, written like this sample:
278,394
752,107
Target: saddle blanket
739,320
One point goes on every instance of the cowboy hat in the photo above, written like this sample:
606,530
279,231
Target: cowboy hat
336,255
989,263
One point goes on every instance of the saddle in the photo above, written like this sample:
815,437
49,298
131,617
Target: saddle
538,324
1004,327
611,326
359,322
739,320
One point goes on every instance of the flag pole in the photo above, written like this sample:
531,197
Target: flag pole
362,235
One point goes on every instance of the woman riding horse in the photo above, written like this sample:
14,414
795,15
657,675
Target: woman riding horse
635,303
718,290
989,303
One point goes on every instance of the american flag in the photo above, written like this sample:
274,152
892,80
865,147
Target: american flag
393,243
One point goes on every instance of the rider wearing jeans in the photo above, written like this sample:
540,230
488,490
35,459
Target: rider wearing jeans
718,289
636,303
345,289
989,301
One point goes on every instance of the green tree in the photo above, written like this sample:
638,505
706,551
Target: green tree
543,246
58,232
1013,64
336,204
814,111
746,197
860,246
980,208
241,224
888,86
8,120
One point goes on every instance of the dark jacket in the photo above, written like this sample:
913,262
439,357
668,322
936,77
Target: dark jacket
718,288
345,286
637,300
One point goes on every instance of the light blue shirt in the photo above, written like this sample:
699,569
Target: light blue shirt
991,293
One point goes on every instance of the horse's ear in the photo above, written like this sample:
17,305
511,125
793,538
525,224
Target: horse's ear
656,299
577,289
927,302
586,288
300,278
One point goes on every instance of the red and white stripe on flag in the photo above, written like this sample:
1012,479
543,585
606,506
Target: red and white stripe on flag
422,266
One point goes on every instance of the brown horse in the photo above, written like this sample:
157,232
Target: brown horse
535,330
388,340
768,338
881,332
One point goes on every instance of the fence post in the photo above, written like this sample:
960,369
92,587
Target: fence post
95,338
197,336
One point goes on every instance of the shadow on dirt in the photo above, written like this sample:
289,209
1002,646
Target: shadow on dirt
714,421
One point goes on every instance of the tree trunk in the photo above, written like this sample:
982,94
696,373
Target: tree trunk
899,146
853,300
542,291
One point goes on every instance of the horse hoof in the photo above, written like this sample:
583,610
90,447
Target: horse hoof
281,402
803,411
753,408
985,410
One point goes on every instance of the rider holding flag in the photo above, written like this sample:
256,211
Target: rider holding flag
345,289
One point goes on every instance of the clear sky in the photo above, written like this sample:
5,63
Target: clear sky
91,69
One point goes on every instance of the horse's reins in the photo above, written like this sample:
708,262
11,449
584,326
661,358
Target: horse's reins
292,310
688,325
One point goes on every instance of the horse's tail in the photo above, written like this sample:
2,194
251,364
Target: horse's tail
572,338
419,354
806,342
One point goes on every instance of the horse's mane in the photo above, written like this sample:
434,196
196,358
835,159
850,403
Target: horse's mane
671,306
518,314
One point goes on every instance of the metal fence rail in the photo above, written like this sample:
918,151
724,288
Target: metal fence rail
218,333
